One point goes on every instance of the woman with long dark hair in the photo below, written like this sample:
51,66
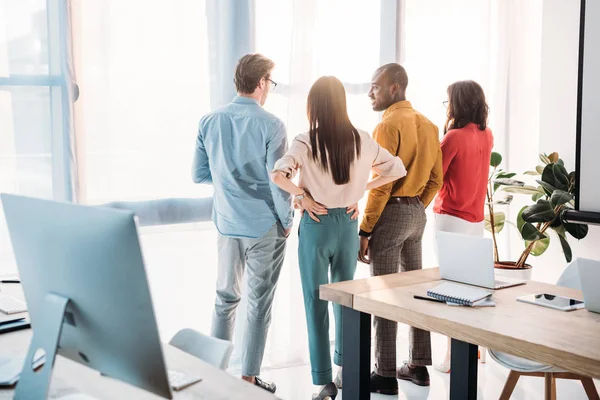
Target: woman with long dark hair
466,149
335,160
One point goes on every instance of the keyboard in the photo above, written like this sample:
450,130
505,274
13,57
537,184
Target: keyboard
11,305
179,380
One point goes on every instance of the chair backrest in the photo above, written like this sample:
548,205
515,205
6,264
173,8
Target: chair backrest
212,350
570,277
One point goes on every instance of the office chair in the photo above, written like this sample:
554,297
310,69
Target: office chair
207,348
523,367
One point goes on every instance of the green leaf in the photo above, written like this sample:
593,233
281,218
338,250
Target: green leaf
578,231
539,247
506,182
542,211
505,201
539,169
499,219
557,222
530,232
544,158
522,189
520,220
537,196
566,248
547,188
560,230
506,175
560,162
561,177
534,173
548,176
560,197
509,182
495,159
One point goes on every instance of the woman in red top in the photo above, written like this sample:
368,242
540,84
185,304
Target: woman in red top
466,149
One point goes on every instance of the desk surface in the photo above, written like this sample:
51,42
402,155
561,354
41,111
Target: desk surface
569,340
70,377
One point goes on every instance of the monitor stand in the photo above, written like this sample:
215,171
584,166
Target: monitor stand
34,384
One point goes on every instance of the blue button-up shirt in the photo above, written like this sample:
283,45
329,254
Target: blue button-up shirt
236,148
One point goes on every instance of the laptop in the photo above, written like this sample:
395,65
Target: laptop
589,273
469,259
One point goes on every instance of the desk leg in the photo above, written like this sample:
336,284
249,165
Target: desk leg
463,371
357,354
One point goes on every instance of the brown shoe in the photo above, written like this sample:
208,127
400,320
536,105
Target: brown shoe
417,375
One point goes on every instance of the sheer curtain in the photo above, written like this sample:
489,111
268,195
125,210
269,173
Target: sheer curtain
142,69
36,153
496,43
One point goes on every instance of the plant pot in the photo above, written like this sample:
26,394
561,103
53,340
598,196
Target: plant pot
507,269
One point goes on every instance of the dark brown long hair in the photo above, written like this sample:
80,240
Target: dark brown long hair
466,105
334,140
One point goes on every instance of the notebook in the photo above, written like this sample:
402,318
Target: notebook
460,294
487,302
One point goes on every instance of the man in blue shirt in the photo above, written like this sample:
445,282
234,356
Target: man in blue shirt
236,148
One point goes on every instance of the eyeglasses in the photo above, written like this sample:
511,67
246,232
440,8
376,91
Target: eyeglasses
445,103
272,83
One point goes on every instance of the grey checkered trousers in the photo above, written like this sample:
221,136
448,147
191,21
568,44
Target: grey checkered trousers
396,246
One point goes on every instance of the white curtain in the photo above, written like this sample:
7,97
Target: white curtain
36,152
496,43
142,69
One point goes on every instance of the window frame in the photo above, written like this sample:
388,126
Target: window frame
58,81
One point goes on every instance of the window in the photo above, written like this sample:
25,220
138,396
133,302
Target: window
144,83
33,106
308,40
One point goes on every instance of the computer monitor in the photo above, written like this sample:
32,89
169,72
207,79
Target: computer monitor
85,284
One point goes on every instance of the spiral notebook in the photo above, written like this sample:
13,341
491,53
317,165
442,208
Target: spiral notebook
459,294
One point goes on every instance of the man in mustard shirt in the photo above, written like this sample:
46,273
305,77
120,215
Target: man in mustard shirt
394,220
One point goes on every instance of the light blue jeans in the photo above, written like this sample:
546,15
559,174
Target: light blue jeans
262,258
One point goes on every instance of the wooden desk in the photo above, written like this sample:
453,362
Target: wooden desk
70,377
569,340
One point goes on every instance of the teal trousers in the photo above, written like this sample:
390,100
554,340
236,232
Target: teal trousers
329,247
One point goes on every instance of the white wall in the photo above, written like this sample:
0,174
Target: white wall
558,107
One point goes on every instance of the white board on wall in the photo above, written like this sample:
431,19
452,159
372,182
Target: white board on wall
588,143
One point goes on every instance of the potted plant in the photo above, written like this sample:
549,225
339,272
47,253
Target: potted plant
553,194
495,220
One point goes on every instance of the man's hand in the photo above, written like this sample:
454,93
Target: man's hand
363,252
353,209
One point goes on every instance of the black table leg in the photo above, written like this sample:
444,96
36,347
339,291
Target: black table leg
463,371
357,354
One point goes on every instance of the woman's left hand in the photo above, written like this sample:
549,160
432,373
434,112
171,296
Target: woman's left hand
353,209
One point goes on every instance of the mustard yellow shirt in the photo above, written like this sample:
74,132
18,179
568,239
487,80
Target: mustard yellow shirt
414,138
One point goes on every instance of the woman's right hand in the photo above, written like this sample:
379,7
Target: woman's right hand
313,208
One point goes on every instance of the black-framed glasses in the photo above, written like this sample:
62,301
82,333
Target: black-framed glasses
445,103
272,83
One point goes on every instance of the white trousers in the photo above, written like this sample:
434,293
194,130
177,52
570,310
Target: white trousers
448,223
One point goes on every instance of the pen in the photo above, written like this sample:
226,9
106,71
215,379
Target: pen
428,298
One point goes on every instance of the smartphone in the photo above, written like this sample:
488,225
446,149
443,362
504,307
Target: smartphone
552,301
